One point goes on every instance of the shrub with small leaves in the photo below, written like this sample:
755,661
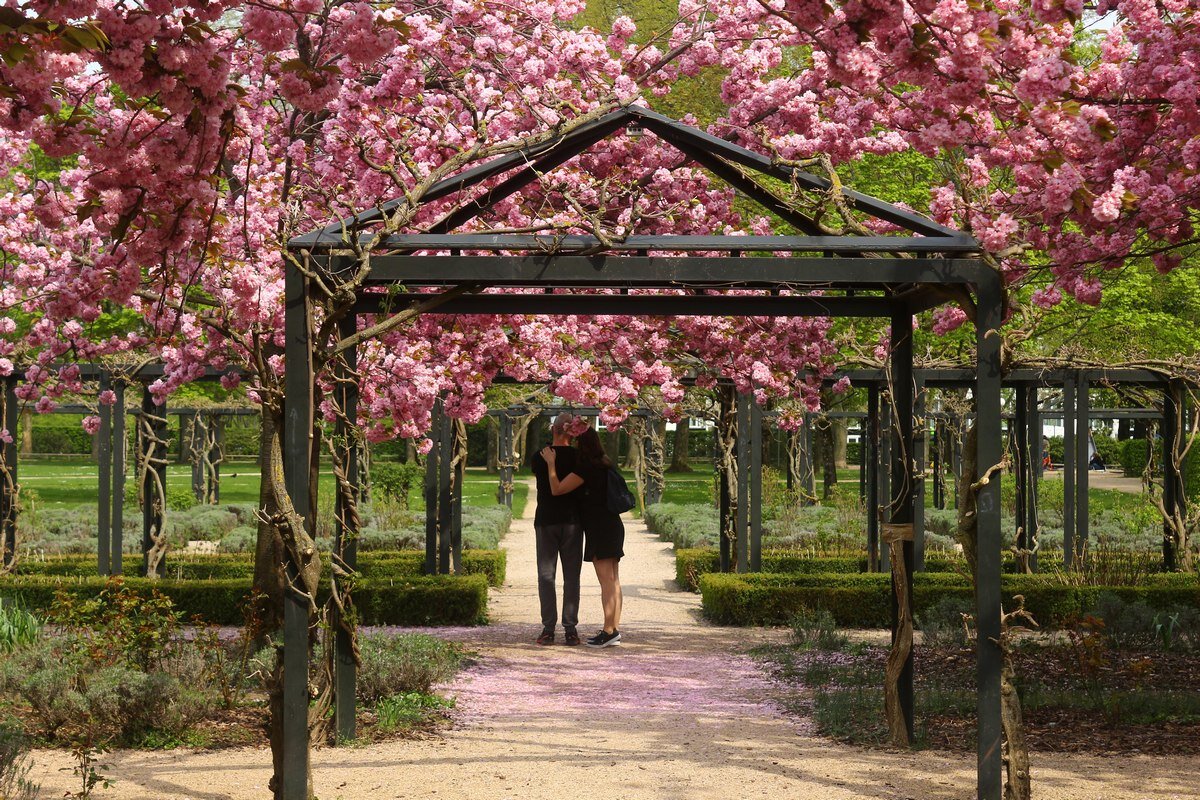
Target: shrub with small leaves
816,628
15,764
410,662
123,625
947,623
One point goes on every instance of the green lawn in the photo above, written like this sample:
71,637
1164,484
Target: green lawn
72,484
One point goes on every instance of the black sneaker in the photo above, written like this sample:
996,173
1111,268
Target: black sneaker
572,637
603,639
547,637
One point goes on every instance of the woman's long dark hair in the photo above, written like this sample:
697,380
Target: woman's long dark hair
592,450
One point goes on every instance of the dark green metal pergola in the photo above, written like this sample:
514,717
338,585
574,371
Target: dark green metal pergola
811,274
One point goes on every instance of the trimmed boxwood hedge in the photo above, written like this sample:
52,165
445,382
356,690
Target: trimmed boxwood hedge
378,564
414,600
862,601
690,564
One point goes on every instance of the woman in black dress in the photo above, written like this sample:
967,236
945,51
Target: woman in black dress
604,533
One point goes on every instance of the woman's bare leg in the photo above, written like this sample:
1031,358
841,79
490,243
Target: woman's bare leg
616,593
608,592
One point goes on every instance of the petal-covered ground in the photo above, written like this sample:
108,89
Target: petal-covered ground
677,711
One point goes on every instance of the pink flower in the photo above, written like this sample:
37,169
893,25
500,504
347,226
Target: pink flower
44,405
108,397
91,424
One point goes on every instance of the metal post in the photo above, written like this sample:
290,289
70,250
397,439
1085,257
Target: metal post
457,445
808,481
756,428
506,454
1171,430
104,504
903,482
920,430
218,453
956,456
862,461
724,501
742,522
154,451
432,462
1083,465
1021,469
1068,470
444,491
938,467
195,455
119,445
1033,428
346,535
871,465
8,474
987,583
297,461
886,499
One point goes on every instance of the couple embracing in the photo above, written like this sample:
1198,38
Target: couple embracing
574,524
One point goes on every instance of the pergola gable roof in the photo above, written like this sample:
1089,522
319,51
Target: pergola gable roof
724,159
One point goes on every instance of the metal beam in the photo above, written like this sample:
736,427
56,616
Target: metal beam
667,272
639,305
672,131
574,244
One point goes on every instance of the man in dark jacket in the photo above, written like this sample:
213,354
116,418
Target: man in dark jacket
559,536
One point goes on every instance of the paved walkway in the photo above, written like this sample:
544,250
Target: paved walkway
677,712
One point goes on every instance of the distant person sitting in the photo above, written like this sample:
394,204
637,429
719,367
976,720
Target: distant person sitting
1094,459
559,535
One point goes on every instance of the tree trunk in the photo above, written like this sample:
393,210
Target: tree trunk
679,443
839,444
828,463
612,445
26,431
493,445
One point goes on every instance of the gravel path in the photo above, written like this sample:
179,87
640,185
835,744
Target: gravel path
677,711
